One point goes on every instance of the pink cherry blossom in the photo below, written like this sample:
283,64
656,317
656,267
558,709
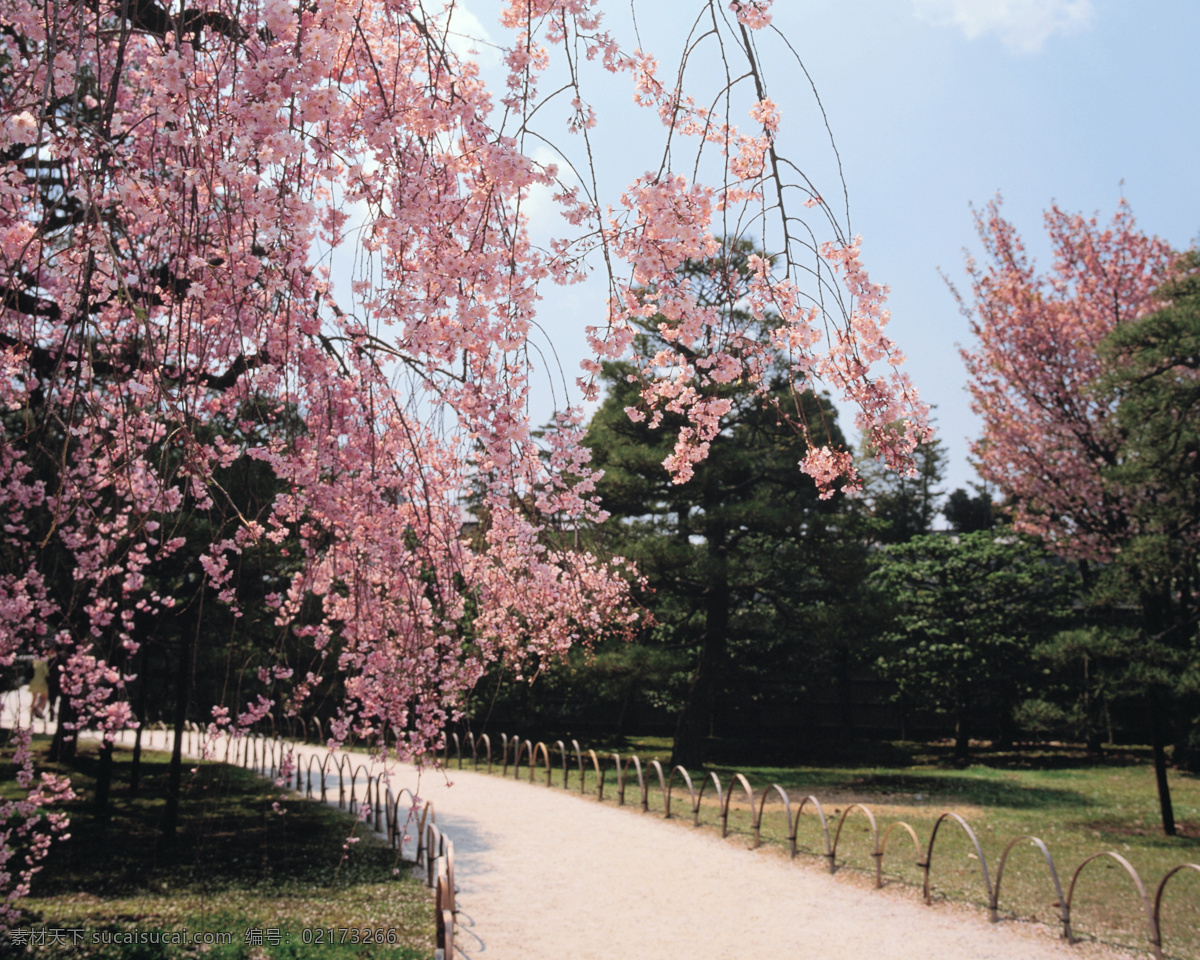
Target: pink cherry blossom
1047,435
175,186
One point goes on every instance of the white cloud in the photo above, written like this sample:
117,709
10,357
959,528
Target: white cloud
1023,25
467,36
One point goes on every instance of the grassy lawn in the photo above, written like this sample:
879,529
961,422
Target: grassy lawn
277,883
1078,805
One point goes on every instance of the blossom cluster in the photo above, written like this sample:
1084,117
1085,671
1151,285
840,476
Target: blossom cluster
1047,434
174,187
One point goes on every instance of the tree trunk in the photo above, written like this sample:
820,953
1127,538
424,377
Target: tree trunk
1158,739
845,685
1093,720
62,748
962,730
695,722
104,778
135,769
175,772
1157,619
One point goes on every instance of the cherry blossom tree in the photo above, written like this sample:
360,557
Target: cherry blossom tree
177,185
1047,435
1053,442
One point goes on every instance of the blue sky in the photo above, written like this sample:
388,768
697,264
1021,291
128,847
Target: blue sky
936,105
944,102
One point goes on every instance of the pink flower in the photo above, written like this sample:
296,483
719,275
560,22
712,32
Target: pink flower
22,127
755,14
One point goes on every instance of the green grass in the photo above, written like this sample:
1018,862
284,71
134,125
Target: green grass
1078,805
235,867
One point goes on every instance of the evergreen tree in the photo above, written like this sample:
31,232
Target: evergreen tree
966,513
903,507
968,612
1153,380
747,565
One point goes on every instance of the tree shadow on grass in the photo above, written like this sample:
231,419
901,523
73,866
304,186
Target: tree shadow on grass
230,835
830,751
921,786
1038,756
1148,832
